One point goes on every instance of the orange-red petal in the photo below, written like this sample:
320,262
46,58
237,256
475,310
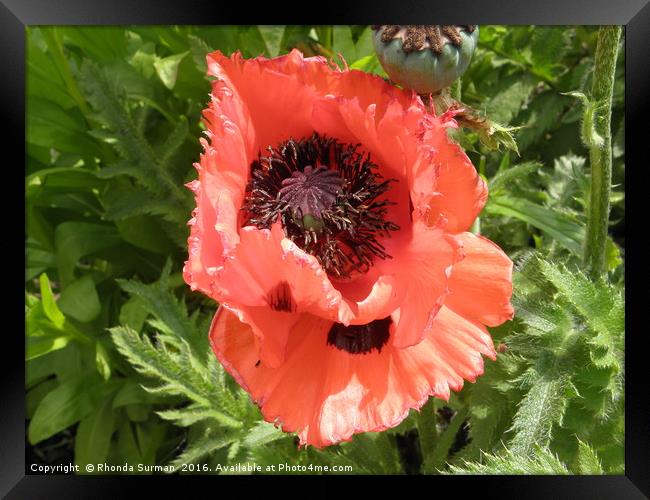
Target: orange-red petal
481,284
326,395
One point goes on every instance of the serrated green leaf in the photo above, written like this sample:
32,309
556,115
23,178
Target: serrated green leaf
203,447
540,462
177,371
588,462
503,178
542,407
262,434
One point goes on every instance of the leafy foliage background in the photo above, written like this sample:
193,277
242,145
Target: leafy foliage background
118,368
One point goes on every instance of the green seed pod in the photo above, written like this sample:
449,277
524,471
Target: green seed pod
425,59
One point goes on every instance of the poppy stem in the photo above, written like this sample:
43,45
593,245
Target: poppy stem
600,151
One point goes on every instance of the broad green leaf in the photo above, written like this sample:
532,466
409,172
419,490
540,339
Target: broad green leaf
369,64
80,301
71,401
167,68
364,45
75,240
137,412
36,394
143,231
559,226
93,436
343,43
39,346
42,76
272,36
134,313
48,124
133,393
102,43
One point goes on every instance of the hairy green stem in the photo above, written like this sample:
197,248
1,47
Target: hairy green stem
600,152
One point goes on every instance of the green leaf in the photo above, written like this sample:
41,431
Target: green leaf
190,415
80,301
107,95
343,43
542,407
50,306
144,231
369,64
102,43
588,462
203,447
599,304
167,68
133,393
565,230
541,462
42,76
173,314
48,124
272,36
36,394
102,360
263,433
71,401
439,454
180,373
39,346
93,436
548,46
74,240
134,313
503,179
509,99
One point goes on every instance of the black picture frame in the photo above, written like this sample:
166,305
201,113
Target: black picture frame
15,15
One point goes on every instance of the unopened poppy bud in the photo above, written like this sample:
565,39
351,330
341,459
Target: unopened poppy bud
425,59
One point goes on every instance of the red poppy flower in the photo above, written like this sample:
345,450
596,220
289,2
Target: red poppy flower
330,225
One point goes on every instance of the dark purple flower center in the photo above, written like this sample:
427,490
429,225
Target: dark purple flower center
329,198
310,192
